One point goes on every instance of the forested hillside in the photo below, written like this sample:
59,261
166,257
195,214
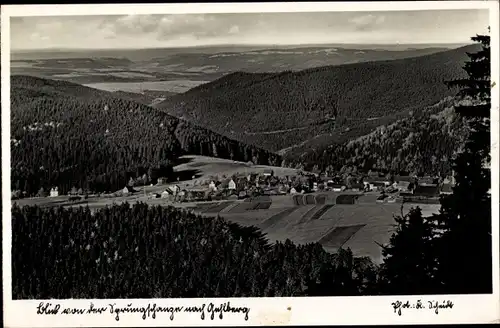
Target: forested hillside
423,143
280,110
66,135
155,252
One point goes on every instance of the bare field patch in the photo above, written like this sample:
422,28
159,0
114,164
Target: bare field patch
138,87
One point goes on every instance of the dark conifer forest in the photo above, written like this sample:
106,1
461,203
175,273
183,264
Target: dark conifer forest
422,143
68,135
158,252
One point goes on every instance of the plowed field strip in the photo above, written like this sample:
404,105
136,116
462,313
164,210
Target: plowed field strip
276,218
217,208
338,236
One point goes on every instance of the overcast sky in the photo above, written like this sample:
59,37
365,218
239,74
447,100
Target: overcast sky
142,31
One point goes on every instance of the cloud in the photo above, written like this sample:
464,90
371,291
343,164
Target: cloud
135,24
170,30
367,21
36,36
234,29
175,27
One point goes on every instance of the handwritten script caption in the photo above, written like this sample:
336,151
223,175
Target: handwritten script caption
435,306
205,310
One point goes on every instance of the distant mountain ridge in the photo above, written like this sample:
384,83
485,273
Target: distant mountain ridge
200,63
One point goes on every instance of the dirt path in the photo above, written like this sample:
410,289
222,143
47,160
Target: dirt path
277,131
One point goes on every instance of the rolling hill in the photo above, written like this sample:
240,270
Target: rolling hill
65,135
331,104
421,143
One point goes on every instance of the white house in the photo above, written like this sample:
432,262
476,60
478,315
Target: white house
175,189
166,193
293,191
211,186
161,181
54,192
231,185
128,190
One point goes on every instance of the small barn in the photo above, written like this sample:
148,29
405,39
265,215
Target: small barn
338,187
268,173
346,199
231,185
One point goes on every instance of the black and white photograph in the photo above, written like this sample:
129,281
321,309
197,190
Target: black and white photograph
244,155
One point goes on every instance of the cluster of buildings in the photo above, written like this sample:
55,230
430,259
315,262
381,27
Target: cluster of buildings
241,186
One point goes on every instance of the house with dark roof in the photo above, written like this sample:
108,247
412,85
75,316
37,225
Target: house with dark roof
357,187
427,181
404,178
377,181
426,191
446,189
403,185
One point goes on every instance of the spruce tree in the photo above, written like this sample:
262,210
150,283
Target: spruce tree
409,260
465,257
451,252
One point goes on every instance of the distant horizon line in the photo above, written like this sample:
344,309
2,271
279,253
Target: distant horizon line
248,45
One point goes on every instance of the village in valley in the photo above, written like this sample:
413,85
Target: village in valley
389,188
241,186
